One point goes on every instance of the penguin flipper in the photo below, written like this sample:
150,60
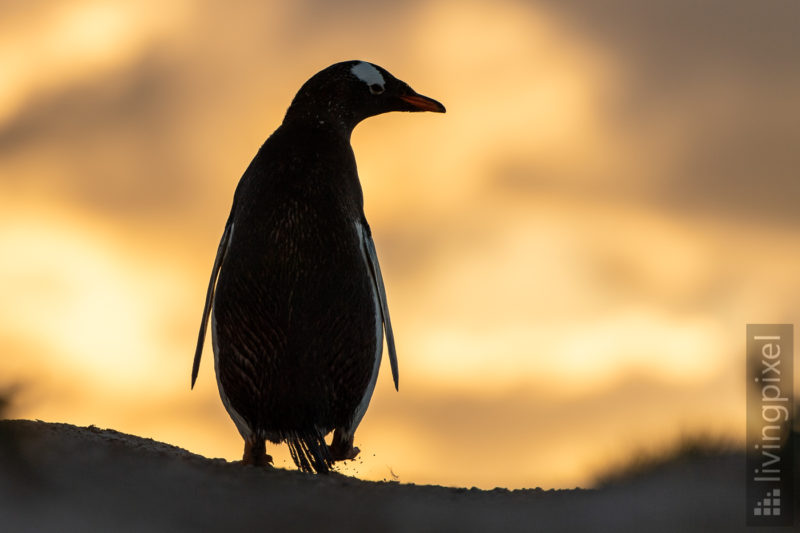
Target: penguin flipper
377,281
221,251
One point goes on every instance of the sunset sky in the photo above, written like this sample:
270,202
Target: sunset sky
571,253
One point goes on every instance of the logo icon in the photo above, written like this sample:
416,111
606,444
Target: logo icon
769,505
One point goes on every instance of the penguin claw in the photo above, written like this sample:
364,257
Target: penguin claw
264,460
341,447
343,455
255,453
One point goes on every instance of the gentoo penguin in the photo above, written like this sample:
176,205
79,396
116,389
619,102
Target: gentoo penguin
296,298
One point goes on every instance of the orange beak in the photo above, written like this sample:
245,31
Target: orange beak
423,103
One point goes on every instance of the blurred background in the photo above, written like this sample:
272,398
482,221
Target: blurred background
571,253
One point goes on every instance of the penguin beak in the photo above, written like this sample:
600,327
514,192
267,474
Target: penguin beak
422,103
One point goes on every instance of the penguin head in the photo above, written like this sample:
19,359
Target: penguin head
351,91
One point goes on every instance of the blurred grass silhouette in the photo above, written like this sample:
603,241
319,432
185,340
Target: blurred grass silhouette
687,449
5,403
8,394
13,463
8,448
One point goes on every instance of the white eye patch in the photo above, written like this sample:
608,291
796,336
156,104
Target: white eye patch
367,73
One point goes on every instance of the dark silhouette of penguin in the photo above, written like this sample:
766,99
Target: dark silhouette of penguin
296,298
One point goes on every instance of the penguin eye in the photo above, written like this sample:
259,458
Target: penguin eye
376,88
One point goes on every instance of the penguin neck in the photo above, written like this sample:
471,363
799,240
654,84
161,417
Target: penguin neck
329,143
300,117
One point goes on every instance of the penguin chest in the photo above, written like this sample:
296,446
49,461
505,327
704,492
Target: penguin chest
298,329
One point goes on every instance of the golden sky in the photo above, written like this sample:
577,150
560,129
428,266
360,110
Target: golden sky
571,253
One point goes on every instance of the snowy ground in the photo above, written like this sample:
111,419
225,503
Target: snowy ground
58,477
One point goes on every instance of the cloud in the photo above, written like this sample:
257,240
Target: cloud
707,98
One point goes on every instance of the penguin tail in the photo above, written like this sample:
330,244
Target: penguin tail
310,453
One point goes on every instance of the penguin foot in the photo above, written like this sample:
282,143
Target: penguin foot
342,449
352,453
255,453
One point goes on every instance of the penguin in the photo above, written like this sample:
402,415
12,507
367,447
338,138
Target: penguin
296,300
